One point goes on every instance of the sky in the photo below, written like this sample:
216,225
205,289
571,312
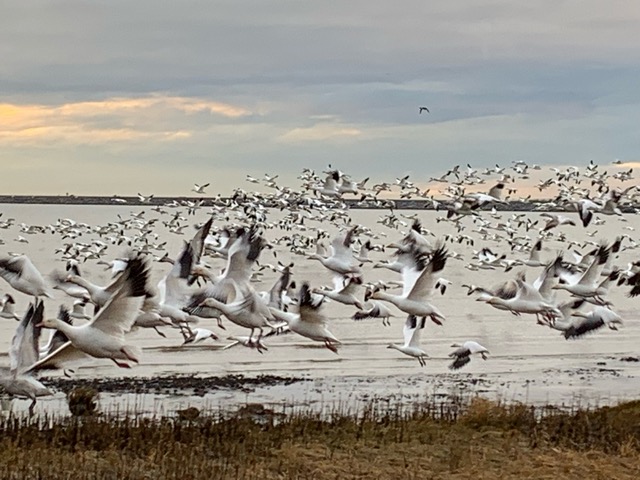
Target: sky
118,97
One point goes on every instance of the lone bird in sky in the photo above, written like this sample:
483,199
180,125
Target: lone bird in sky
423,109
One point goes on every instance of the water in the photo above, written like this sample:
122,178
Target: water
528,362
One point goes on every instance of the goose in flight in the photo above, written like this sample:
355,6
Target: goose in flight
527,299
8,307
411,346
341,260
344,291
247,310
23,354
462,355
418,281
22,275
584,284
310,321
104,335
423,109
593,320
192,336
374,309
199,188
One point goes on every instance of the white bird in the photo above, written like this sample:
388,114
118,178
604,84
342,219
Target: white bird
104,335
78,310
462,355
23,276
23,354
199,188
418,281
374,309
588,322
341,261
8,307
196,335
247,310
309,322
344,291
411,332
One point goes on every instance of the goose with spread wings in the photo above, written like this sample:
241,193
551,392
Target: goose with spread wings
23,354
418,279
310,321
104,335
411,331
341,260
22,275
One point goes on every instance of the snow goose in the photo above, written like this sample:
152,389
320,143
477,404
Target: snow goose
23,354
78,310
462,354
330,187
418,283
584,285
199,188
8,307
309,322
22,275
414,239
553,220
341,261
247,309
344,291
243,254
481,199
196,335
526,300
411,332
534,256
104,335
374,309
597,318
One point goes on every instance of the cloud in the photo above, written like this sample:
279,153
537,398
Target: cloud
320,132
109,120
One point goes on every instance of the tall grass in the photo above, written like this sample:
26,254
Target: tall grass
478,438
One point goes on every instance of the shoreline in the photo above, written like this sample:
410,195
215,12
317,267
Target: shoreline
400,204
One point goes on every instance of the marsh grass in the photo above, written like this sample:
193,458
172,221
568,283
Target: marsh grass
478,438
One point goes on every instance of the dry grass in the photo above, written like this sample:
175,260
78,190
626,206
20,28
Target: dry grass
483,440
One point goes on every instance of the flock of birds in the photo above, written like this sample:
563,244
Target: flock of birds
192,292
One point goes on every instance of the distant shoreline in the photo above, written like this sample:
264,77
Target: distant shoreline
401,204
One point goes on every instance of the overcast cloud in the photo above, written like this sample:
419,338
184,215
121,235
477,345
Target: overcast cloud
106,97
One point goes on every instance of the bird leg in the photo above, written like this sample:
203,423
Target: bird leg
220,323
159,332
32,406
121,364
331,346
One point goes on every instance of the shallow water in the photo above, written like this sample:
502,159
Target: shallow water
528,362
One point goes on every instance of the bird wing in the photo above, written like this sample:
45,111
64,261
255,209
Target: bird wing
119,313
24,349
411,331
172,286
341,245
424,284
310,311
64,354
591,274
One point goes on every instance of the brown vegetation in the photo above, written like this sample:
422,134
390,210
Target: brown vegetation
482,439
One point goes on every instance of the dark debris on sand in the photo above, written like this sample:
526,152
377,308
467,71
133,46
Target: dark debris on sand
170,385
